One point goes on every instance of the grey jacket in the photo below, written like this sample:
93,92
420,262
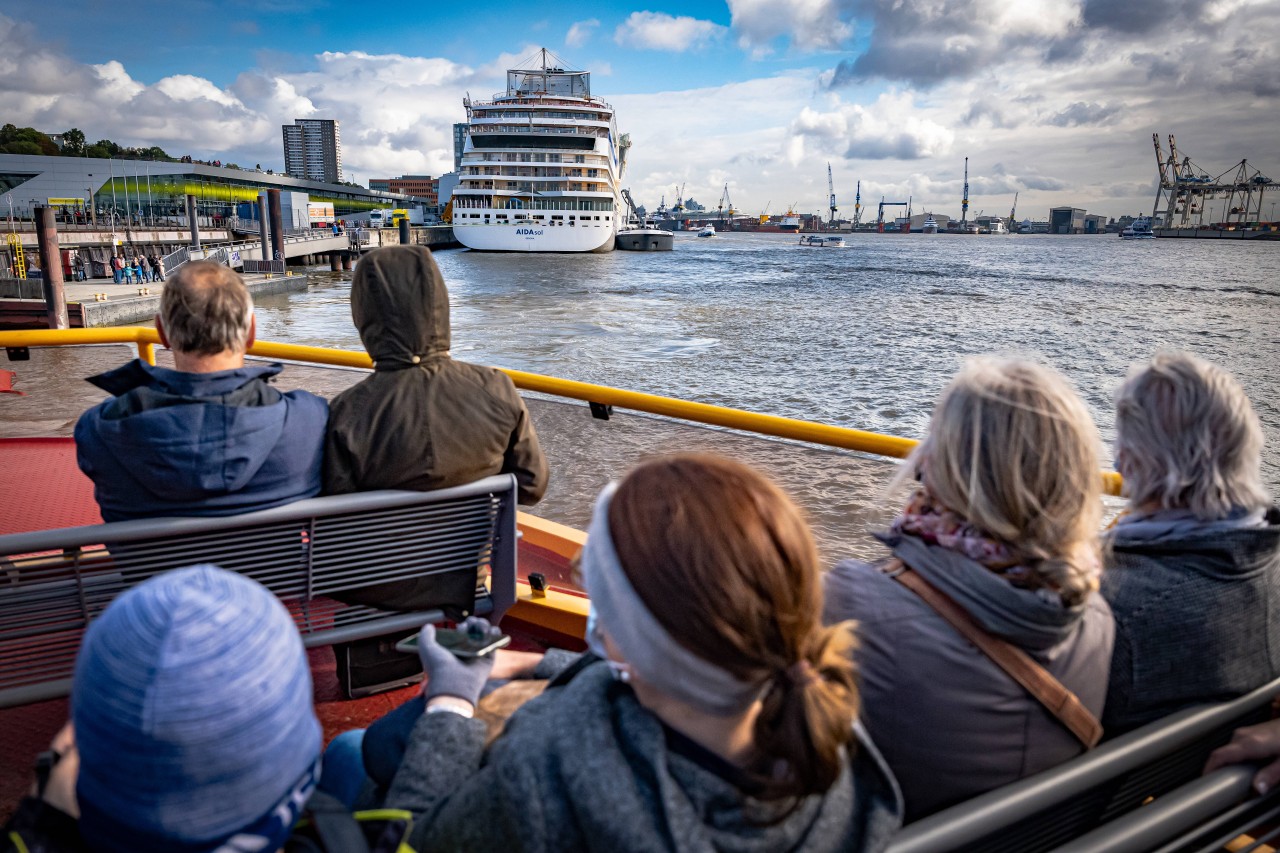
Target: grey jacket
1197,616
949,721
585,767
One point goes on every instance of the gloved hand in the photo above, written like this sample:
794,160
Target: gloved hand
449,675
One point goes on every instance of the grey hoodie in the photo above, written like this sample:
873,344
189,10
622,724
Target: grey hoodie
1197,608
585,767
952,724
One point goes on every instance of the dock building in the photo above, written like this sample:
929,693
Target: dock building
422,187
89,189
313,149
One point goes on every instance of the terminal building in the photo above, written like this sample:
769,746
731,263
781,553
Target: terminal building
422,187
138,191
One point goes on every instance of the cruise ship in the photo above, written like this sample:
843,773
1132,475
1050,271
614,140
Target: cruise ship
541,167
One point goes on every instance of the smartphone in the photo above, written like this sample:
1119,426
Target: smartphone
460,643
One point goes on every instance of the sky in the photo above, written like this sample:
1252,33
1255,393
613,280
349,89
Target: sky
1053,99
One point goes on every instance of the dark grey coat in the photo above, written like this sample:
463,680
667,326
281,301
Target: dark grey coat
585,767
950,722
1197,617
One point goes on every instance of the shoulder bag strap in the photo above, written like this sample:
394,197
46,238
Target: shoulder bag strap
1033,677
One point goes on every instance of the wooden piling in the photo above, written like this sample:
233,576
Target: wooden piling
52,282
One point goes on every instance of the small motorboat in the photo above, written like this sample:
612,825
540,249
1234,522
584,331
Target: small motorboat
1139,229
707,231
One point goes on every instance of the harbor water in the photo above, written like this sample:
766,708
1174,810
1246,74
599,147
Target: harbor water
863,336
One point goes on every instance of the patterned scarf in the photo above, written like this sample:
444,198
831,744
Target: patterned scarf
926,518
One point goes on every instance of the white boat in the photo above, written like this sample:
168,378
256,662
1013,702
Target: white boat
708,230
822,242
790,221
1139,229
997,226
930,225
541,166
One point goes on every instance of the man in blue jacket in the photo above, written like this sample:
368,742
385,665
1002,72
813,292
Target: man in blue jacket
210,437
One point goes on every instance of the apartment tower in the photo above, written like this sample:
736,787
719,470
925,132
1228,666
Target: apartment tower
313,149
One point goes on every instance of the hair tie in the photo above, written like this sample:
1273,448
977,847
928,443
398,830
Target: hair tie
801,673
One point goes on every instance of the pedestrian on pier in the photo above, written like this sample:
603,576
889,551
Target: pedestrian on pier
143,269
117,268
157,272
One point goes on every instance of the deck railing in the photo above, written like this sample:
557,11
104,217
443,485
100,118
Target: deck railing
845,438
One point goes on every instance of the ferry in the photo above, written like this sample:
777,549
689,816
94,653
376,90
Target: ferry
1140,791
708,230
1139,229
541,166
821,242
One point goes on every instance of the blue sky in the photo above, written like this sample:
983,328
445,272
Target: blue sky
1052,99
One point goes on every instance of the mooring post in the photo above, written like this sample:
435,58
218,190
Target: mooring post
277,226
55,296
346,260
263,220
404,232
334,262
193,219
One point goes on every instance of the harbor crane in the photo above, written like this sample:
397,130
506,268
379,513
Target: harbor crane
1013,210
1184,190
964,202
831,191
857,206
679,208
883,205
764,214
725,203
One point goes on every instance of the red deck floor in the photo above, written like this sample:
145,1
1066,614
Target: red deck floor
43,488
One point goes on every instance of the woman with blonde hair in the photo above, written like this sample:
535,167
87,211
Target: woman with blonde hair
1193,565
716,712
994,558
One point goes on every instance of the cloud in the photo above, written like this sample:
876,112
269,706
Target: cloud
807,24
890,128
1080,113
660,31
580,32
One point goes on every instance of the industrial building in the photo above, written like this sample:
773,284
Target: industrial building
89,190
1066,220
422,187
313,149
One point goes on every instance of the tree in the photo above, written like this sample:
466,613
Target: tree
73,141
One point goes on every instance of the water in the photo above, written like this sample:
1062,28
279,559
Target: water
864,336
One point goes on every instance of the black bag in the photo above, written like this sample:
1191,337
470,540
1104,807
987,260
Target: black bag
327,826
373,666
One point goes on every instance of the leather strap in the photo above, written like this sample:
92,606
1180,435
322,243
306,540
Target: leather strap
1034,678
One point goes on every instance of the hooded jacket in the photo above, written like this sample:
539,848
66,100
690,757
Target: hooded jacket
422,421
171,443
585,766
1197,610
950,722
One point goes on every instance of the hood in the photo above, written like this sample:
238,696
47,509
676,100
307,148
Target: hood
186,437
401,307
1240,543
162,380
1035,620
598,730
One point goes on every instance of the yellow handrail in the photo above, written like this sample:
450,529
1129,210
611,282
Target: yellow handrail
833,436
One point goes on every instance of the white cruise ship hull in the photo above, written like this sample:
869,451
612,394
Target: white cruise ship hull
535,238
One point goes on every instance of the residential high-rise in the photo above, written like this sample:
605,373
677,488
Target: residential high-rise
459,142
313,149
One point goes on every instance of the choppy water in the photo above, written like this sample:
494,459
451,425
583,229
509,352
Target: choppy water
864,336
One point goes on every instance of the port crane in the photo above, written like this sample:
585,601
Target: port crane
857,206
1185,189
679,208
764,214
725,202
1013,210
831,192
883,205
964,202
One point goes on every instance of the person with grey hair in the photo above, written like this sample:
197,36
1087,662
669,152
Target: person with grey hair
210,436
1193,565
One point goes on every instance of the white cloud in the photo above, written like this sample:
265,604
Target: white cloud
580,32
890,128
808,24
660,31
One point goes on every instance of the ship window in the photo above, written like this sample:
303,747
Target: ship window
572,217
502,216
557,217
597,217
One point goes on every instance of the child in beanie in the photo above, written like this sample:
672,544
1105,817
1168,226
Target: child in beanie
192,718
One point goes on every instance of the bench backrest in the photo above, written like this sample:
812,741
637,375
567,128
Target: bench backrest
1051,808
53,583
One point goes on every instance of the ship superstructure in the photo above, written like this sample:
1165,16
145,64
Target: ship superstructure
541,166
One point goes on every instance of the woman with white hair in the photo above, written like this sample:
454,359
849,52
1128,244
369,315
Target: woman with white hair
1193,566
983,648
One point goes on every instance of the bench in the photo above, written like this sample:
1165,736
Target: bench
310,553
1108,784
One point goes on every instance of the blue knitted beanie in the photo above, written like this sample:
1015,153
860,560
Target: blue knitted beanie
193,716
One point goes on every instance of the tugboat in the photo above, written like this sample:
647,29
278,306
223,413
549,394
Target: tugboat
643,235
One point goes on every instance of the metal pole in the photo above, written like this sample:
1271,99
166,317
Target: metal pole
151,208
112,170
277,225
263,222
191,221
55,297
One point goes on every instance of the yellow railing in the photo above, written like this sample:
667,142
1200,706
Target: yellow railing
833,436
